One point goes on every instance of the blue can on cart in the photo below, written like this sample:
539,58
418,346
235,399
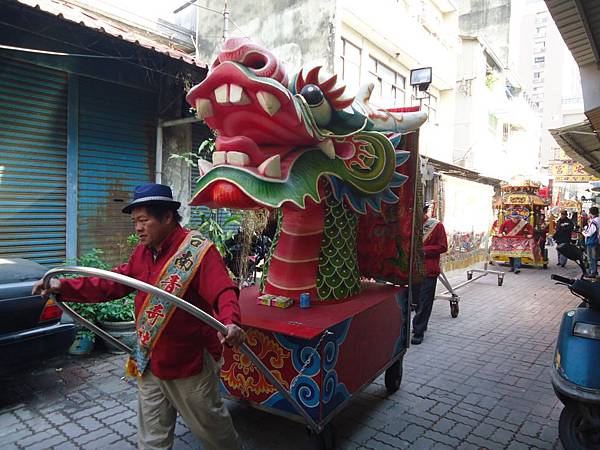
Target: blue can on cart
305,300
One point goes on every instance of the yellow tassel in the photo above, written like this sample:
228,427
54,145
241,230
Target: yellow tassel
131,369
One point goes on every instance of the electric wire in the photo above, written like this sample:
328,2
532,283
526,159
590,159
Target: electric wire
48,52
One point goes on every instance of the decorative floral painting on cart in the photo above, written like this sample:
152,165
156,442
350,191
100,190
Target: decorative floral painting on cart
384,240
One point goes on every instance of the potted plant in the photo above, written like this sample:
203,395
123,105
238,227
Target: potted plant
85,339
117,318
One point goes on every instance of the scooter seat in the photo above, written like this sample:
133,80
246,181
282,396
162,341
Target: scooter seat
588,290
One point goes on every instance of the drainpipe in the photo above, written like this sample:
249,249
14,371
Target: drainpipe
159,153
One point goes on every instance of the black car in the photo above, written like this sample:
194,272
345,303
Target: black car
31,328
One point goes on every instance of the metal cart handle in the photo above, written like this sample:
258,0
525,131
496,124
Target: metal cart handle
188,307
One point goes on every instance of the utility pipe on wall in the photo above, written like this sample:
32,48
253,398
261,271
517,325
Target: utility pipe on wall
159,152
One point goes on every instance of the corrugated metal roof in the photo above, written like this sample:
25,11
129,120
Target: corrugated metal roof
581,144
594,117
100,23
579,24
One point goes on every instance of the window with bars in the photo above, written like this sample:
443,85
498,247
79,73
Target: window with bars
389,88
539,47
430,105
350,64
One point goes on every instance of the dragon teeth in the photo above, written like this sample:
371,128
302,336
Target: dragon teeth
328,148
203,108
221,94
237,95
268,102
238,159
271,167
219,158
204,166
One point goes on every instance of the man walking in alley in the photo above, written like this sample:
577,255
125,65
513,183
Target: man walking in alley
435,243
177,357
590,232
516,226
564,228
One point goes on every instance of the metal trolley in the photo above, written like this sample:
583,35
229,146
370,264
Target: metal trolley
450,292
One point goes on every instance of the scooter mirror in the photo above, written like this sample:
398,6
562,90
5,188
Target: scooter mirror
571,251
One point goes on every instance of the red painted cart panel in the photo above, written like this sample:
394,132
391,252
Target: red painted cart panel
322,355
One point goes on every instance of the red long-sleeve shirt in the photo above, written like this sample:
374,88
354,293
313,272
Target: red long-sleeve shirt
178,353
435,244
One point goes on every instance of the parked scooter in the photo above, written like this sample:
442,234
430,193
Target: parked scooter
576,368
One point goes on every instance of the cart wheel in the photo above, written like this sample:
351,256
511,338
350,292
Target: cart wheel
393,377
325,440
454,309
469,275
500,281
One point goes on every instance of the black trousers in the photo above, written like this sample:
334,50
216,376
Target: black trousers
424,294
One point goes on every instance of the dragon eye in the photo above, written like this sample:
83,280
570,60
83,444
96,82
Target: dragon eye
312,94
318,104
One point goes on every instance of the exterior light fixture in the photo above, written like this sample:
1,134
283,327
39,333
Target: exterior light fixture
421,78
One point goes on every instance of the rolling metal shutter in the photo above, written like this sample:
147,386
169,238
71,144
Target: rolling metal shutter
117,139
33,162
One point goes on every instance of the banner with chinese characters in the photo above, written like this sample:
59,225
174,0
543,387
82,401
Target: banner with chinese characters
570,172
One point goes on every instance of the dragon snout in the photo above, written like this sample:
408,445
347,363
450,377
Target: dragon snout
256,58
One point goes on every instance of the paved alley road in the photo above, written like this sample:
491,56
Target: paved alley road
478,381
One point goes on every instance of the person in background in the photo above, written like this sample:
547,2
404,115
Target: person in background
590,232
177,357
564,228
516,226
540,233
435,243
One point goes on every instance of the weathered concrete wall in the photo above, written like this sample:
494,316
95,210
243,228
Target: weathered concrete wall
489,19
297,31
176,172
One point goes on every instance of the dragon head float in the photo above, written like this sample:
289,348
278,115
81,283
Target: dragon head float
302,144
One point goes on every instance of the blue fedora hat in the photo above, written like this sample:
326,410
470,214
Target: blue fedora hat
151,193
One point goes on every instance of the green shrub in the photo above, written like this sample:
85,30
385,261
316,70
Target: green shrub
121,310
113,311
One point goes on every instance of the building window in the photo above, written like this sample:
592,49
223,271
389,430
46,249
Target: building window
389,85
541,18
350,65
539,47
540,31
492,123
537,74
430,105
505,132
539,59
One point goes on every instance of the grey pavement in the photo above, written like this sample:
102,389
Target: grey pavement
479,381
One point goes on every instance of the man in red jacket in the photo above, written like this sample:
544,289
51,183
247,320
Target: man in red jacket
435,243
516,226
177,357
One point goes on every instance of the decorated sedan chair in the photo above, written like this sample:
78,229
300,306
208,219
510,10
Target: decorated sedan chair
336,169
523,201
